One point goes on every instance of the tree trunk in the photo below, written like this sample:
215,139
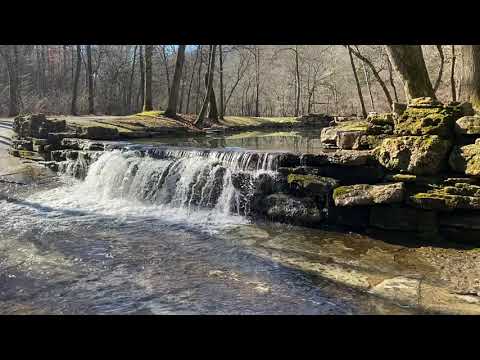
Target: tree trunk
409,63
165,63
90,79
147,103
141,92
177,76
359,89
257,82
440,71
297,81
211,67
187,107
76,80
10,55
471,74
130,85
452,75
367,79
390,75
222,108
197,98
212,107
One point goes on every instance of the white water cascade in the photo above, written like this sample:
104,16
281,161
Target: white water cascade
189,181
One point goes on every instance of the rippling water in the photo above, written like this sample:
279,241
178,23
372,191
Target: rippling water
143,235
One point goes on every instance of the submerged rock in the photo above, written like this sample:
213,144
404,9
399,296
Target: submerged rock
466,159
419,155
286,208
363,194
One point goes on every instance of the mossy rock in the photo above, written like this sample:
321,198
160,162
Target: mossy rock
427,121
311,185
418,155
466,159
363,194
460,196
380,119
468,125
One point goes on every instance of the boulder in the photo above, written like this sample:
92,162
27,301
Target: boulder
466,159
328,135
460,196
311,185
427,121
37,126
468,125
380,119
286,208
349,140
374,129
400,218
419,155
364,194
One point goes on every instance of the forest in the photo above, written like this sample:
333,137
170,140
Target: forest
248,80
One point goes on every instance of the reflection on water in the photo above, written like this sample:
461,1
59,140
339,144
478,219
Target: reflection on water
301,141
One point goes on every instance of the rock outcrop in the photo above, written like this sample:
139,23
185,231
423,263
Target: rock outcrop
418,155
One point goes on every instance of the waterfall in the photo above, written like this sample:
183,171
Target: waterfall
189,179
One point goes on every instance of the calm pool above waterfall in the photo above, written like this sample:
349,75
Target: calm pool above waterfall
146,235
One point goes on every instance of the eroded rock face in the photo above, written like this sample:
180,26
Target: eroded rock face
282,207
346,175
349,140
363,194
37,126
460,196
419,155
340,157
317,120
466,159
468,125
81,144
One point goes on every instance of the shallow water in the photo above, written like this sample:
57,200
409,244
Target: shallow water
299,141
146,236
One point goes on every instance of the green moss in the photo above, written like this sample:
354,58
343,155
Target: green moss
153,113
341,191
305,180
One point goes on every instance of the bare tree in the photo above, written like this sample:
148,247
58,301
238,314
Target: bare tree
452,75
187,107
147,103
76,80
207,99
222,109
90,80
440,70
359,88
173,98
10,55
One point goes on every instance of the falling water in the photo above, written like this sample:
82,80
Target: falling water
186,179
